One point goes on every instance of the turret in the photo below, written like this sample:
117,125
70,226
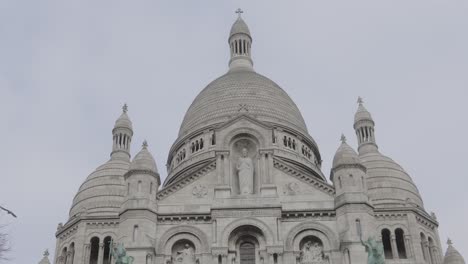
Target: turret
122,136
240,43
354,213
452,256
364,127
45,258
138,212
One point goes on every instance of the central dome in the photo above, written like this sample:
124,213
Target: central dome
242,91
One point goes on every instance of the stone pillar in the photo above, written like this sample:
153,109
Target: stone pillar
426,252
87,249
101,253
227,168
394,247
219,168
408,246
263,168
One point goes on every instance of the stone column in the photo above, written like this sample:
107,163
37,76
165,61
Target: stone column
263,168
394,247
87,248
219,168
270,166
426,252
227,168
101,253
408,247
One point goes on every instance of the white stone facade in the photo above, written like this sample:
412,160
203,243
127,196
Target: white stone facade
290,213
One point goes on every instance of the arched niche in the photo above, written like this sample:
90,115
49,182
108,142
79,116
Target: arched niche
325,234
267,234
184,232
246,244
244,154
184,251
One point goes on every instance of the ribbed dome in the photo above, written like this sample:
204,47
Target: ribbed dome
345,155
242,92
239,27
103,191
452,256
388,182
144,160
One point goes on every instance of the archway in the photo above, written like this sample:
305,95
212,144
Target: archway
247,245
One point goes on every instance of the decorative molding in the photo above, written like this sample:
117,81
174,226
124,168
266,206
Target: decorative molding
187,218
425,222
69,232
316,215
174,187
241,213
387,216
199,191
322,186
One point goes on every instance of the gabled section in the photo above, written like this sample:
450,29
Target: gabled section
297,173
184,181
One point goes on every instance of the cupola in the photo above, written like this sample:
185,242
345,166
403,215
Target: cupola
240,43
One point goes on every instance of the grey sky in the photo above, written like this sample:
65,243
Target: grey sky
66,67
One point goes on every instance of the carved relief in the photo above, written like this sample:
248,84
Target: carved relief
291,188
199,191
312,252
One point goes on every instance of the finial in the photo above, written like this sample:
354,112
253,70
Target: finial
239,12
360,101
46,253
125,108
343,138
449,242
145,144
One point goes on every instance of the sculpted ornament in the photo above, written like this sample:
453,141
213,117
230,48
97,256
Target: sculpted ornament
199,191
292,188
245,170
312,253
185,256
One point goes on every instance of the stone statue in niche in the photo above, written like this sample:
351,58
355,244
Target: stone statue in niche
186,255
312,253
245,171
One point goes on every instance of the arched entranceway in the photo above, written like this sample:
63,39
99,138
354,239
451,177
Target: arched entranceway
247,245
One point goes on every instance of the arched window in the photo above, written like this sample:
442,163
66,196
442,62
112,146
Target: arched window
339,182
423,242
63,258
151,187
346,256
387,244
275,258
94,250
220,259
400,242
135,233
107,246
201,143
71,252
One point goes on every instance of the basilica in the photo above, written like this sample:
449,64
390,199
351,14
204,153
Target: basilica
245,185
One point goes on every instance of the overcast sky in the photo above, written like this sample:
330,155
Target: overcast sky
66,68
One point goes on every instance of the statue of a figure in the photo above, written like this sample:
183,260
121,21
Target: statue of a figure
186,255
120,255
312,253
375,252
245,170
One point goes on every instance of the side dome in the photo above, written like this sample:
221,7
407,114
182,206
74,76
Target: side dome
124,121
103,191
144,160
345,155
388,183
238,91
452,256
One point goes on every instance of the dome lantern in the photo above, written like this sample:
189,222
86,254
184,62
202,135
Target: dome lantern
240,43
452,256
364,126
122,136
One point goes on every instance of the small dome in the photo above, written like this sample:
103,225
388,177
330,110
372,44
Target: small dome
123,121
388,183
362,113
345,155
452,256
45,259
239,27
103,191
144,160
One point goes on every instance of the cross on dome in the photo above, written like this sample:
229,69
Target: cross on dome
239,12
360,101
343,138
145,144
46,253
